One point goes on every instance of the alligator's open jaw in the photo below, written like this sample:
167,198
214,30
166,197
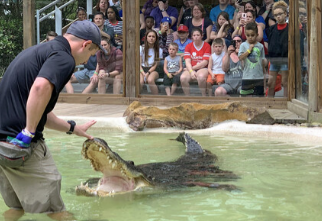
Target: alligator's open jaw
118,174
194,168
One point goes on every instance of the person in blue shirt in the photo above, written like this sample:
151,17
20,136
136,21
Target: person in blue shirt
164,10
183,40
223,6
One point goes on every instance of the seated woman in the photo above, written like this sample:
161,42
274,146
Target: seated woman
200,20
150,54
115,21
109,67
196,55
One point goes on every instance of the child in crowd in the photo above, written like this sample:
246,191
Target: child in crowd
172,69
183,40
51,35
278,48
165,35
215,71
251,52
149,23
250,18
150,54
81,14
223,28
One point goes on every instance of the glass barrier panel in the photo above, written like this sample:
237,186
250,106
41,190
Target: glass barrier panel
191,51
103,73
303,83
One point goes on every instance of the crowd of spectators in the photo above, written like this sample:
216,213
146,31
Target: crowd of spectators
220,48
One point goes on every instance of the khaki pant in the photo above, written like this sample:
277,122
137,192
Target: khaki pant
34,187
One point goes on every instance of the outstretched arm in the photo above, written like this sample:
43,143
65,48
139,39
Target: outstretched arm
55,123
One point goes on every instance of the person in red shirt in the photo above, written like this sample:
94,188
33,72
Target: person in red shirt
196,56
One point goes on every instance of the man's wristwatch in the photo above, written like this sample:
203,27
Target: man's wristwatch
162,10
72,127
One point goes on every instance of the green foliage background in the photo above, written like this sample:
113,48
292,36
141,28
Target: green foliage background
11,38
11,26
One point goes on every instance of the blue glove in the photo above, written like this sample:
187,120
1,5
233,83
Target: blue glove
23,139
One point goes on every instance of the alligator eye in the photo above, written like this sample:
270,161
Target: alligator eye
131,162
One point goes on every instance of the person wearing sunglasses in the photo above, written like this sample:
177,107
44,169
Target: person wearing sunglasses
232,67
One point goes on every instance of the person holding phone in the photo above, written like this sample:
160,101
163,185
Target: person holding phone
250,5
250,18
233,69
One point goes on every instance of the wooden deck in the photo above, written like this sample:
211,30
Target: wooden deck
89,110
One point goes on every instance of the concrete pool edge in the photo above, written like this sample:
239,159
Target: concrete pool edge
286,133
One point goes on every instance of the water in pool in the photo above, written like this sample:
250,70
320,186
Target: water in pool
280,178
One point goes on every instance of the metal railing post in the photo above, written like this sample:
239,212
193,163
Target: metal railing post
89,7
38,27
58,16
58,20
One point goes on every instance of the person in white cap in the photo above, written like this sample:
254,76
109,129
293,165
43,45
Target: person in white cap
28,93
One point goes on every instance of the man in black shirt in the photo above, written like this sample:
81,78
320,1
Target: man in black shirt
28,93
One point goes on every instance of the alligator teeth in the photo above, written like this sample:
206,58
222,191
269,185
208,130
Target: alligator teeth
82,184
100,149
113,165
110,161
107,157
86,185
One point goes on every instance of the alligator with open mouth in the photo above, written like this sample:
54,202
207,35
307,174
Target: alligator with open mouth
195,168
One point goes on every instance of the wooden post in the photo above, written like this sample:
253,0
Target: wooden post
315,56
319,56
131,47
291,51
28,23
297,43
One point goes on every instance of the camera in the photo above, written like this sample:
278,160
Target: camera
233,43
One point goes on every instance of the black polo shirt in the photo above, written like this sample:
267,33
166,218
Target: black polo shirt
51,60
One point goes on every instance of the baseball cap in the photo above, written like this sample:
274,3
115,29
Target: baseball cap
86,30
166,19
183,28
